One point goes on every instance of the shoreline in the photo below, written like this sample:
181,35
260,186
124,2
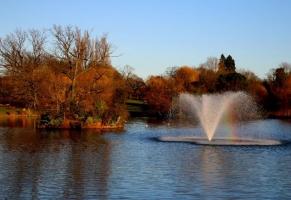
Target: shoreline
65,126
279,114
27,118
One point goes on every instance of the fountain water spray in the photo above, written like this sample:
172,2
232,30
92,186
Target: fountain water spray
210,108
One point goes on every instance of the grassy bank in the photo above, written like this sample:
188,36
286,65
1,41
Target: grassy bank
7,110
14,114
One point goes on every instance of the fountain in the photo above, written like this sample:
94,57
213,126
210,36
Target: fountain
210,109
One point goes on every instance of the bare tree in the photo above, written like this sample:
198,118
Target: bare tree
286,66
127,72
78,53
102,51
37,41
13,52
211,63
21,55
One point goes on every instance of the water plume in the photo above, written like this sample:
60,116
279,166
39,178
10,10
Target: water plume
211,108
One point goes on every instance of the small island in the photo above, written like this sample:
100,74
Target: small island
73,85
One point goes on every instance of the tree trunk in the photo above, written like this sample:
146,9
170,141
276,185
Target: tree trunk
35,101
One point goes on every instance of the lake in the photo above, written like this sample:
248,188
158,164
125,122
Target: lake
42,164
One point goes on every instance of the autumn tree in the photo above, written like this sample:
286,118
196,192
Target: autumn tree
207,81
73,81
255,86
78,53
7,91
184,79
279,87
208,74
101,93
22,55
159,94
231,82
135,85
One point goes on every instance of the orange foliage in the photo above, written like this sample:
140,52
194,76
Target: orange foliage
159,94
98,84
184,78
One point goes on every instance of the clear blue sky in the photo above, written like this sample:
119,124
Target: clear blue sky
152,35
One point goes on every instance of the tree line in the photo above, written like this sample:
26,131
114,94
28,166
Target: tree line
273,93
70,77
66,74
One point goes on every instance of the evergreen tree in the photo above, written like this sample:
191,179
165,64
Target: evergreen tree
229,64
221,64
226,65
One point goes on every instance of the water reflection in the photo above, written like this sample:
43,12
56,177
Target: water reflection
17,121
39,164
63,164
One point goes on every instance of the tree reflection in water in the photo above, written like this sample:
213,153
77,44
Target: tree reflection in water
65,164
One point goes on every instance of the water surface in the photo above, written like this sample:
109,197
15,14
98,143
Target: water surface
129,165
